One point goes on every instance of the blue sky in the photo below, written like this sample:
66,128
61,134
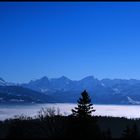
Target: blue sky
75,39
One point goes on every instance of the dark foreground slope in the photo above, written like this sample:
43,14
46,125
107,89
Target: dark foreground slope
66,127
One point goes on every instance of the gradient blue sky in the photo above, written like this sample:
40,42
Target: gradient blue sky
75,39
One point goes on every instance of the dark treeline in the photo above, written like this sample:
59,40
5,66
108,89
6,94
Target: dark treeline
81,124
59,127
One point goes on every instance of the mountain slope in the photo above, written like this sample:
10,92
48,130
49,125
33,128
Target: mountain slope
17,94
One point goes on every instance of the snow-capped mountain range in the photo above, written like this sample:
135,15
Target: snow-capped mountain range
63,89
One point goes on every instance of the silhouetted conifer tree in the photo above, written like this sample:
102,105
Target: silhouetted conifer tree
84,108
83,125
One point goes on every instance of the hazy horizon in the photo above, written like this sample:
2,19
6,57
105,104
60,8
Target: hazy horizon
74,39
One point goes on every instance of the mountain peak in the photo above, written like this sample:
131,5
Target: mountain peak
1,79
3,82
63,77
89,78
44,78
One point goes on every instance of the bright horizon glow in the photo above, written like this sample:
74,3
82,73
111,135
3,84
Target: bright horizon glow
74,39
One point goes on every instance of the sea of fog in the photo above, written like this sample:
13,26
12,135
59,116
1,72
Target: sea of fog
129,111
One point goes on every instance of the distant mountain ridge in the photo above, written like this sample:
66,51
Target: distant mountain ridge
105,91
